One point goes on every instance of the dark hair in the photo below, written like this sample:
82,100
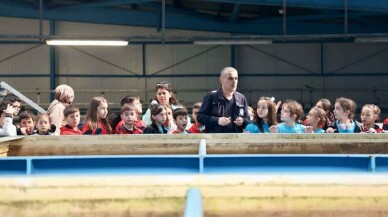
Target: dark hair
26,115
347,105
129,99
166,86
271,116
156,109
70,109
11,98
197,105
179,112
327,107
295,108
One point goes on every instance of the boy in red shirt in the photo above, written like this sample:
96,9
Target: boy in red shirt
129,117
134,102
180,119
72,118
196,127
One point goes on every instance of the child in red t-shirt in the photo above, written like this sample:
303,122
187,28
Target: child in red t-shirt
72,118
196,127
180,119
129,117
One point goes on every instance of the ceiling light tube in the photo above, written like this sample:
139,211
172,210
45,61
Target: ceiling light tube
371,40
87,42
232,42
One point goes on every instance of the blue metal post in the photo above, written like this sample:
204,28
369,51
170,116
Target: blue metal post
52,62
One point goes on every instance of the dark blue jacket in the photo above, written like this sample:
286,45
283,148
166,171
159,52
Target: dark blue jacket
214,106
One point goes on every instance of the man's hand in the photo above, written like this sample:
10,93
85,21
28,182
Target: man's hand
223,121
239,121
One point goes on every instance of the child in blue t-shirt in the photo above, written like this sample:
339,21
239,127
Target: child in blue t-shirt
315,118
344,110
290,114
266,116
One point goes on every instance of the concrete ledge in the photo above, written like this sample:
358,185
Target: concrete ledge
188,144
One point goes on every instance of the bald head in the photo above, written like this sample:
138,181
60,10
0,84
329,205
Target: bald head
226,71
229,79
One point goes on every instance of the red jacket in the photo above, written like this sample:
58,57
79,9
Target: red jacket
139,124
376,127
99,125
67,130
194,129
124,130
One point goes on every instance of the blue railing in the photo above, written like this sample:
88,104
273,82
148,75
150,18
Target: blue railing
195,164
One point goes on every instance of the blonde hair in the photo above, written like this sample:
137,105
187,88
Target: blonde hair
376,110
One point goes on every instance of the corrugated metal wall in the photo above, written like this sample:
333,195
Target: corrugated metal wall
280,70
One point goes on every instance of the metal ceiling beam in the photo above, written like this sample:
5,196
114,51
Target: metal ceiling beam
188,22
235,12
362,5
103,4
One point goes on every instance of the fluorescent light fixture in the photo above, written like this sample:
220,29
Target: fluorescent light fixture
233,42
87,42
371,40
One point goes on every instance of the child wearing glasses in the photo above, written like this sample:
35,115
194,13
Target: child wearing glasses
6,120
344,110
266,117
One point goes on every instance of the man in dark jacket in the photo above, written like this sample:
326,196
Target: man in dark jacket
224,110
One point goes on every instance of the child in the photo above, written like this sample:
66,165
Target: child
27,123
72,118
369,115
134,102
158,117
180,120
14,101
325,104
315,119
196,127
97,121
266,116
344,110
385,125
6,120
290,114
251,114
43,125
129,117
169,125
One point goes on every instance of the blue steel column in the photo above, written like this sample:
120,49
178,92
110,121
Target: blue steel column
52,62
233,56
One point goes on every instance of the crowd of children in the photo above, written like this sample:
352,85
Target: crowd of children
166,116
